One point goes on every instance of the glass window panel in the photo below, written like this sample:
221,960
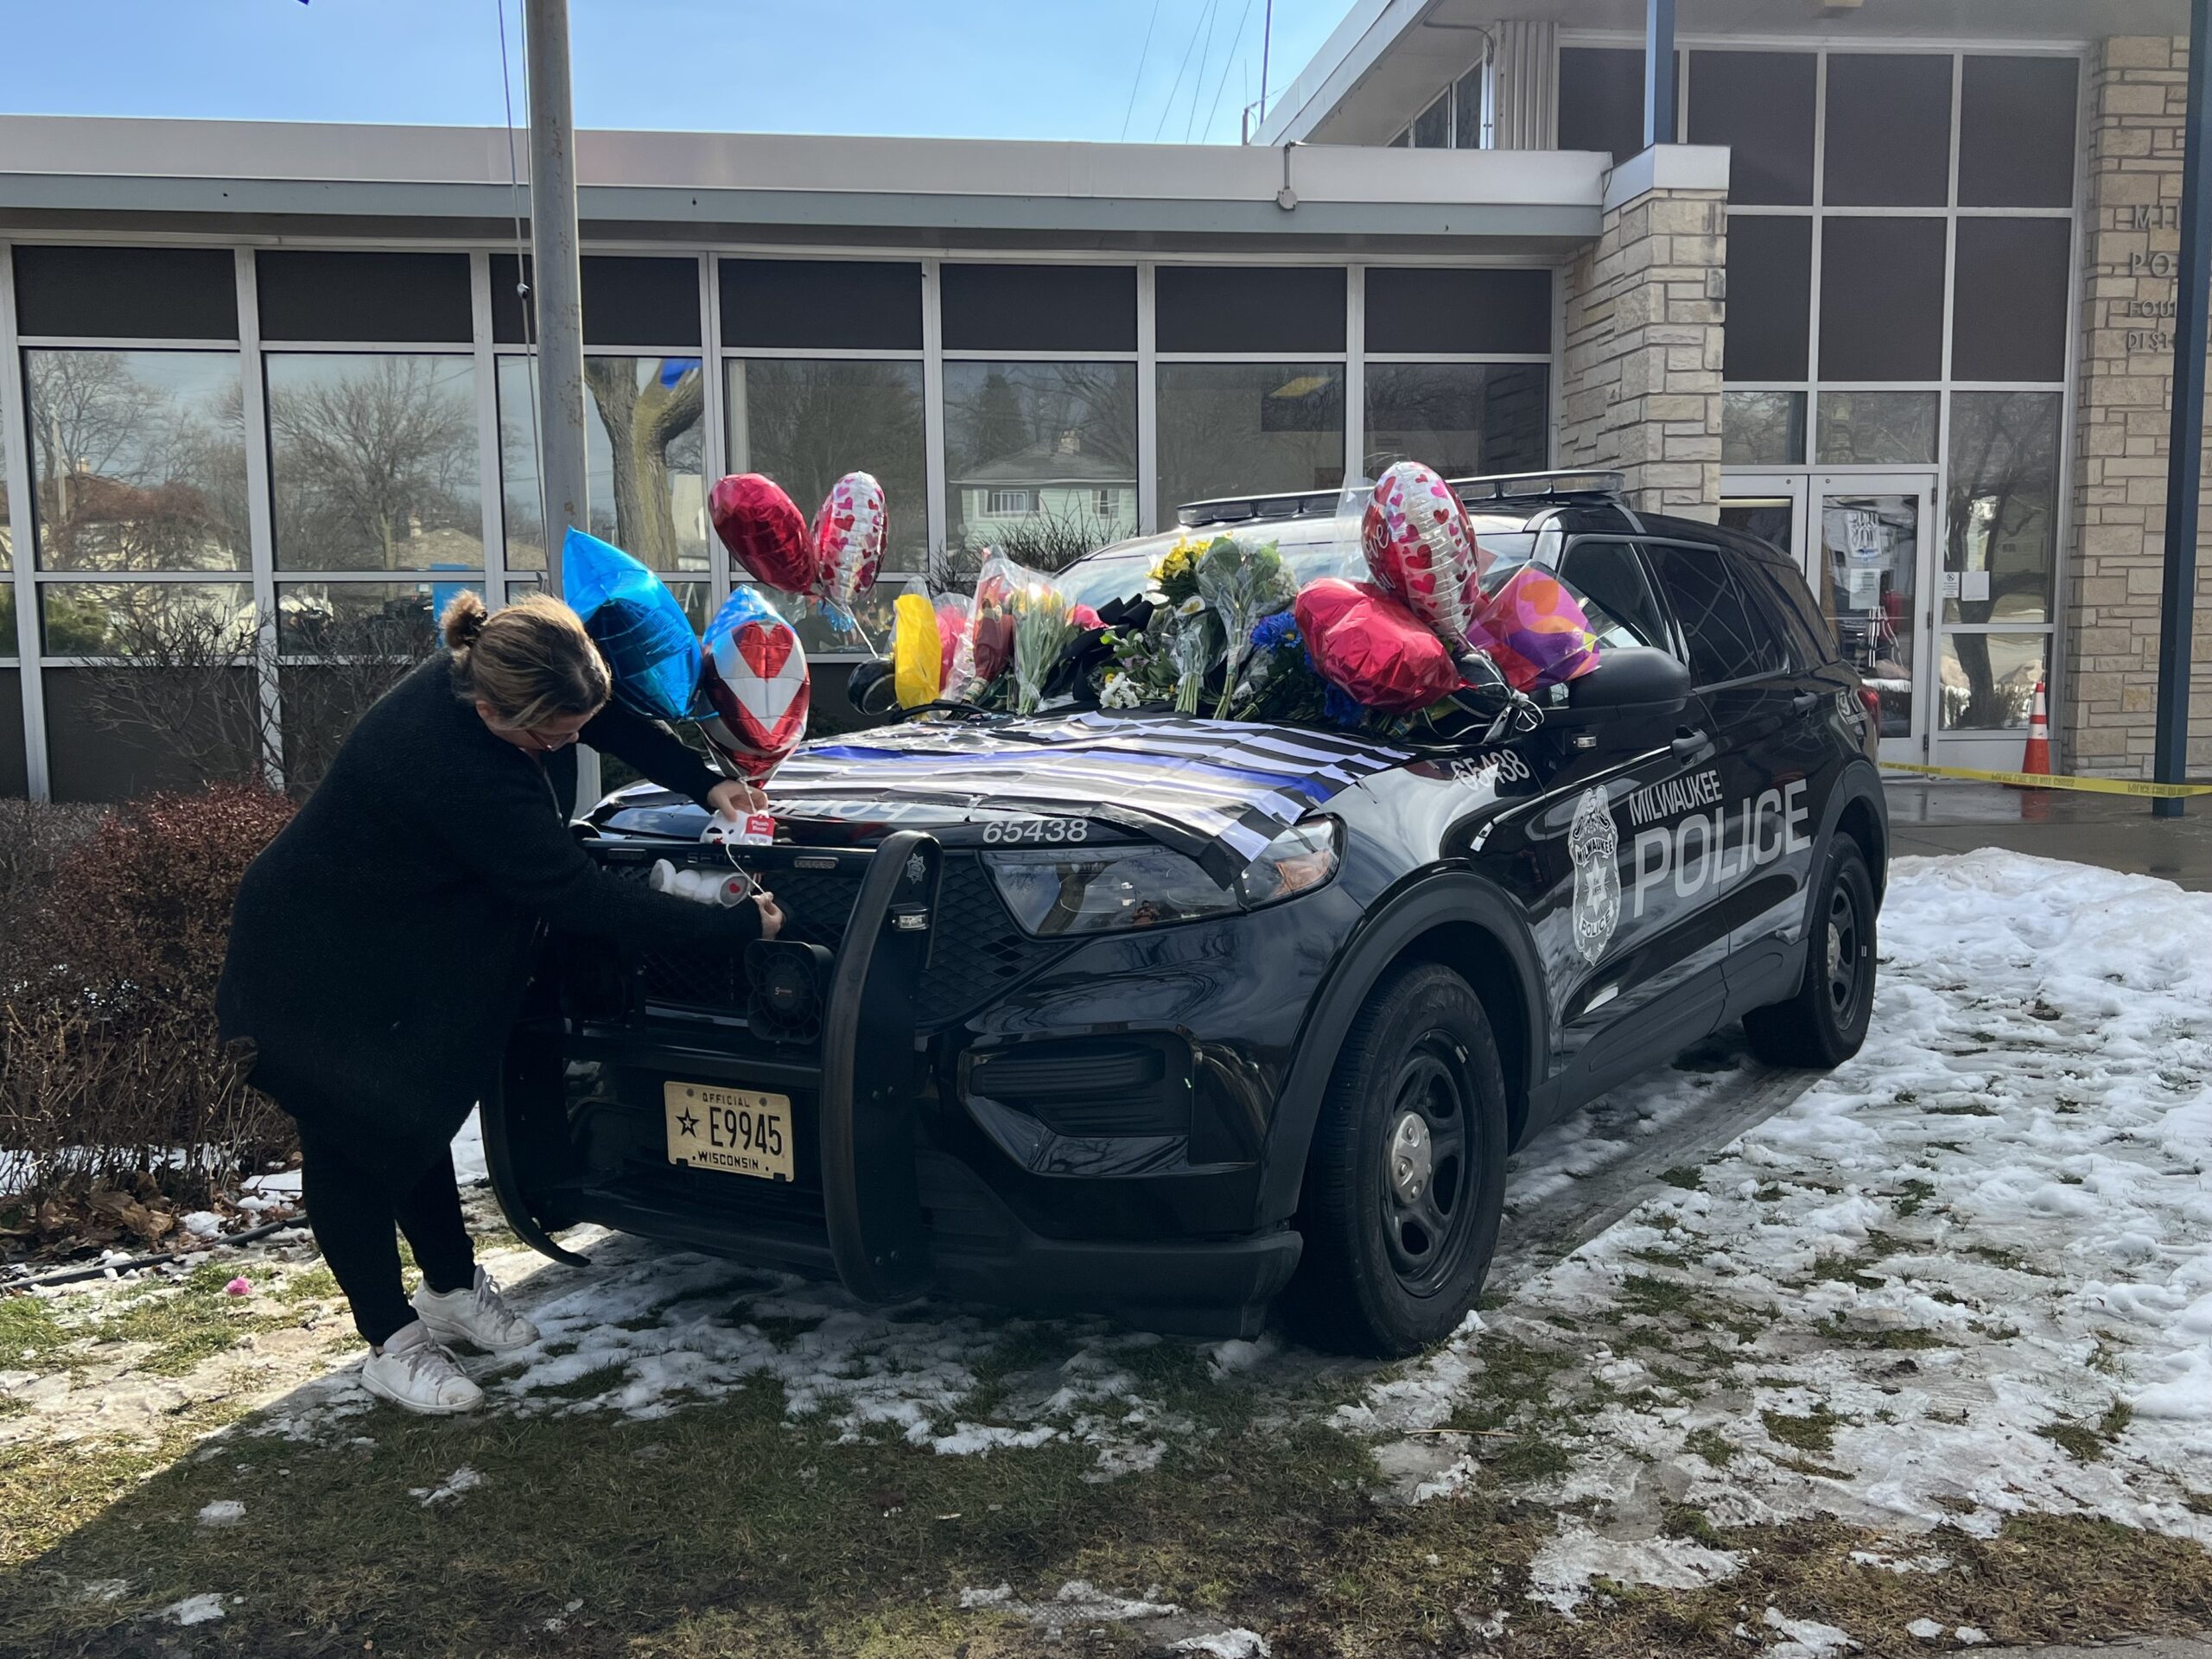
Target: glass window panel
864,304
2001,526
1870,553
1250,308
642,433
1889,130
372,463
113,736
313,293
1989,679
133,292
1610,580
1432,126
1601,99
15,775
351,618
1876,428
2017,133
1881,299
1038,307
1228,428
1727,637
1769,298
7,572
1440,308
2016,271
822,638
1771,519
136,619
806,422
1467,110
1761,428
628,301
1402,141
1460,418
1040,459
1760,104
138,460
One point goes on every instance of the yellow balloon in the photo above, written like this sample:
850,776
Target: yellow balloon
915,650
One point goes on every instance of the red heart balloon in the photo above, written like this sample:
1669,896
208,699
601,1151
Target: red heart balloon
764,531
764,649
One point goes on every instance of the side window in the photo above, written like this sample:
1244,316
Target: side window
1615,591
1728,639
1793,601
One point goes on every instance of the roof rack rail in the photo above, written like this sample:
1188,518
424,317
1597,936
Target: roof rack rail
1580,483
1514,486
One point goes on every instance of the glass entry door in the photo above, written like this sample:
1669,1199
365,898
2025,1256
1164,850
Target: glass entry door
1871,540
1771,506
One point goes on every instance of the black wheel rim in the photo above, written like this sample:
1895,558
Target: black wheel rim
1842,938
1426,1181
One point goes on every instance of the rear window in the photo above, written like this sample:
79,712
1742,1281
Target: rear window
1730,638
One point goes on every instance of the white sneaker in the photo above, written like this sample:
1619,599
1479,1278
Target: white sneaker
478,1315
415,1374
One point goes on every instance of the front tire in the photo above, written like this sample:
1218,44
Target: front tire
1405,1184
1825,1023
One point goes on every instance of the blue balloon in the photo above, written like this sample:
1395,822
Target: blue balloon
641,629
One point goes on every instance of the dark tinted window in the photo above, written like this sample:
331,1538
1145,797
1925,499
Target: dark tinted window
1250,309
1432,126
1770,298
1439,309
1881,299
312,295
1889,130
1615,593
2016,132
15,777
1728,639
627,301
1790,602
1039,308
874,305
1760,104
128,293
2015,327
1601,99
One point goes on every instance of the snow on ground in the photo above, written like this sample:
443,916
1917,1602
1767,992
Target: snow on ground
1968,1274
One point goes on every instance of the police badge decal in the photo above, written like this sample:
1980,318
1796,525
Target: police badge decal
1595,845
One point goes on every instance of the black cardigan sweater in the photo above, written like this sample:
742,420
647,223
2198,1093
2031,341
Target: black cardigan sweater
380,945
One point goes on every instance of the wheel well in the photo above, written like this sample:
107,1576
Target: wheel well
1858,820
1478,958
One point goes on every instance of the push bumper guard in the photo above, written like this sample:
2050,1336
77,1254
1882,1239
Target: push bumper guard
865,1078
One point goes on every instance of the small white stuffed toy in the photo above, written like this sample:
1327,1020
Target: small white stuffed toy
703,886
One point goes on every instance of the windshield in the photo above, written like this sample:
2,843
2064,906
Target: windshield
1124,572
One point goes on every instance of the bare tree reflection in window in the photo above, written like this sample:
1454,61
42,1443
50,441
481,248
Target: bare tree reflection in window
646,415
2000,525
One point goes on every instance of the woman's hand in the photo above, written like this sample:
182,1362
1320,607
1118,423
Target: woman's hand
733,799
772,914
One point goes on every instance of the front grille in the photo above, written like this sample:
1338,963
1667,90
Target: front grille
976,950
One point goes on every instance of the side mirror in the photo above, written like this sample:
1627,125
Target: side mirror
871,688
1638,681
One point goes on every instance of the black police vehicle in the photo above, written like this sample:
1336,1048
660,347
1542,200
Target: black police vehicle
1025,1039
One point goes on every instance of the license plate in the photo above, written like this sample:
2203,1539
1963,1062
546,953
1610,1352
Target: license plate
738,1131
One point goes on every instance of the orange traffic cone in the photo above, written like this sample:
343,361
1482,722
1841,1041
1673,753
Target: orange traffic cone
2037,760
2034,803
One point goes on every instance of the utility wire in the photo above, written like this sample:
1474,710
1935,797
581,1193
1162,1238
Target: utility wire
1143,52
1198,81
1229,58
1169,109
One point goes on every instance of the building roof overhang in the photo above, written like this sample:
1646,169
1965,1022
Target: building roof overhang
276,179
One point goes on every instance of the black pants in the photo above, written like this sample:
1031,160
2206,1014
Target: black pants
354,1203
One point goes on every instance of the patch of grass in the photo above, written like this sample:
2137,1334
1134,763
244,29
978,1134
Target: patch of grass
2086,1442
1689,1177
589,1386
1687,1520
1529,1460
30,1334
184,1323
779,1329
1813,1431
1913,1195
315,1285
1712,1445
2001,1256
1644,1292
1962,1109
1897,1339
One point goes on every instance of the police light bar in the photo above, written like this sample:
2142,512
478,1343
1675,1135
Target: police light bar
1506,486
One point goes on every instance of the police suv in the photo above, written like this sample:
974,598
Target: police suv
1175,1018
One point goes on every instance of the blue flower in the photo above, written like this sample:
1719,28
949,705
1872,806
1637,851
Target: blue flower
1338,705
1274,633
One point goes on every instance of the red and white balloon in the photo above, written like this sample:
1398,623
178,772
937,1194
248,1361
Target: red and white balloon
849,536
1420,547
757,684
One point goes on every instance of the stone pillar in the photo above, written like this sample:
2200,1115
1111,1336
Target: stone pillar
1641,384
2123,397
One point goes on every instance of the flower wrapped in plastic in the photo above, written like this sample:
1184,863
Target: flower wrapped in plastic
639,628
1176,576
1044,630
917,651
1369,645
1194,644
1535,631
1240,584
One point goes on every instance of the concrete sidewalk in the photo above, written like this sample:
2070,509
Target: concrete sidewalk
2114,831
2169,1646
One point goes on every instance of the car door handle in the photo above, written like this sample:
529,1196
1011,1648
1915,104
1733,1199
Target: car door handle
1803,702
1687,745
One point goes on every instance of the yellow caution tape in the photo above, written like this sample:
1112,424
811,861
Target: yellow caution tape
2058,780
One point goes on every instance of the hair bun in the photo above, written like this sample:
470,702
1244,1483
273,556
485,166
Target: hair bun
463,620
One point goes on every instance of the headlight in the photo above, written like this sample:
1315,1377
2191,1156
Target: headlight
1063,890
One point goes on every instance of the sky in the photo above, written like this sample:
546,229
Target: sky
1152,70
